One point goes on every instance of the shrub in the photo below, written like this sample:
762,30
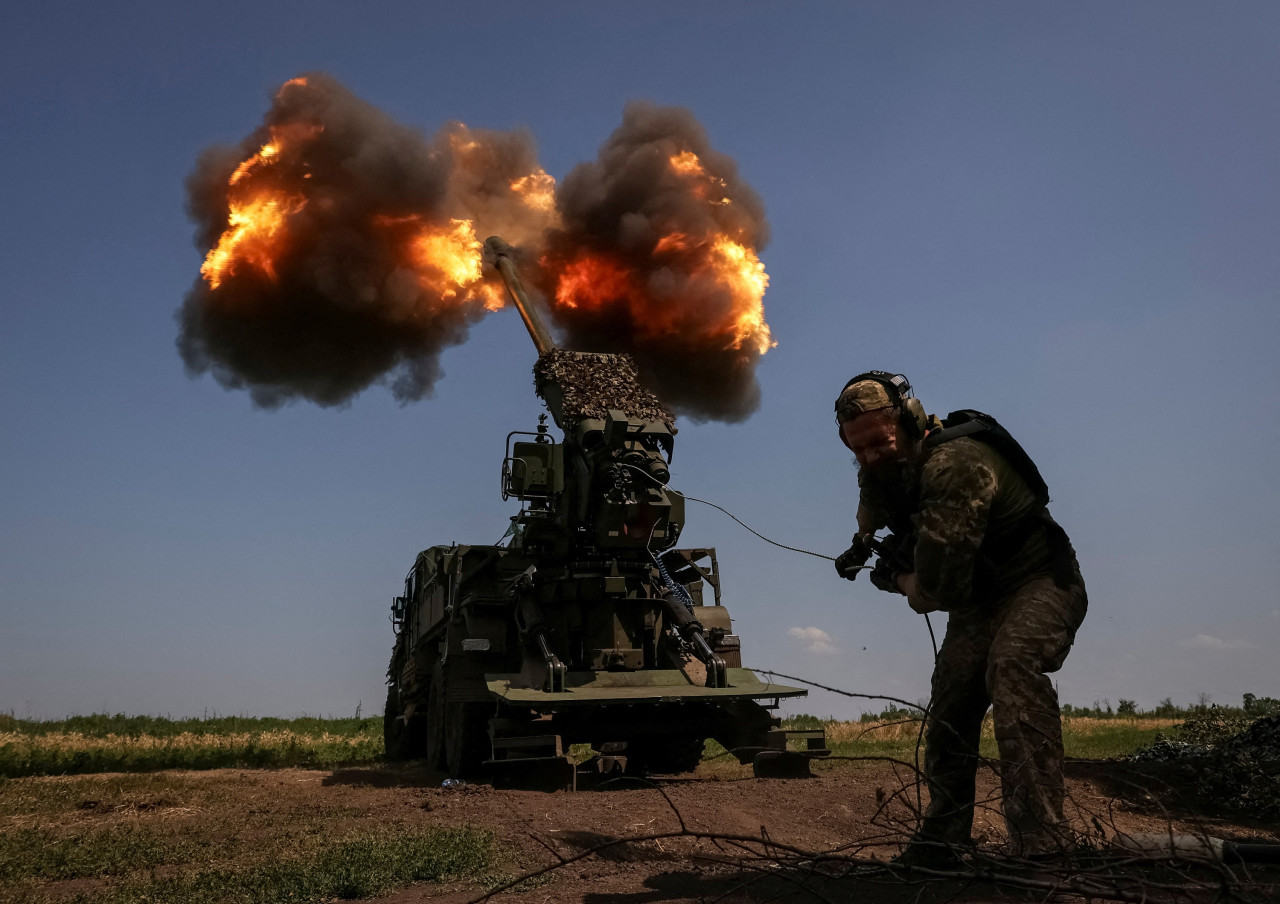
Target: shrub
1237,760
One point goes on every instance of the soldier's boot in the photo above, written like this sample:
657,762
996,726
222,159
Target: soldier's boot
939,844
923,853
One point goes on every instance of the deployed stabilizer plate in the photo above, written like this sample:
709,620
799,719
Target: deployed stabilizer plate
647,686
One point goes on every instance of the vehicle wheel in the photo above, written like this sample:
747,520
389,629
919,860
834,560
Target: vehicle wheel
393,732
466,738
665,756
435,719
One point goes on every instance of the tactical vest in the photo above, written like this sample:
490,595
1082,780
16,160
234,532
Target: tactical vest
1000,548
986,429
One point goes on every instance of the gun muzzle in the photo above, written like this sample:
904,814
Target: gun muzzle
501,257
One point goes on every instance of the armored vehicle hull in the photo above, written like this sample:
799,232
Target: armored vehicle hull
471,693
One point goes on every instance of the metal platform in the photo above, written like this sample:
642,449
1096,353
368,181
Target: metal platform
649,685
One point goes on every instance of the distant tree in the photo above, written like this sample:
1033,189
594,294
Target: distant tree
1260,706
1126,707
1166,708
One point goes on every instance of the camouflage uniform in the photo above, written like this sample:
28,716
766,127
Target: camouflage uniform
991,557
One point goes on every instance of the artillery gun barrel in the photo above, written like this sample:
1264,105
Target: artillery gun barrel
499,254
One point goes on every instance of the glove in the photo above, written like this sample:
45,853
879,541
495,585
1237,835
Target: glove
882,576
853,559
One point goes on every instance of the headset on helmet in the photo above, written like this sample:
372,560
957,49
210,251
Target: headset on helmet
913,417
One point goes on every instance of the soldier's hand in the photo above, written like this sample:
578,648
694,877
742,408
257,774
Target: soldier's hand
853,559
883,577
908,587
921,606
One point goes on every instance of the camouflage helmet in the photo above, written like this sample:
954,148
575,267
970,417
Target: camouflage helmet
877,389
859,397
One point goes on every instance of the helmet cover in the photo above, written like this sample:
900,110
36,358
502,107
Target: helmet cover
863,396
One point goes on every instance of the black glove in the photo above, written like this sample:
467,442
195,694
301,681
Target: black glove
894,554
883,577
853,559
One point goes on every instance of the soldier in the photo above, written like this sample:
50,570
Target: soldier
966,508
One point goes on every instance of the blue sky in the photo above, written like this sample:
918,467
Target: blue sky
1063,214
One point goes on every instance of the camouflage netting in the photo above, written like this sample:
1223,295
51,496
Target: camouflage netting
593,384
1237,762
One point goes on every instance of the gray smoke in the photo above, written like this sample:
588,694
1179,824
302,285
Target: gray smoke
338,294
345,307
667,314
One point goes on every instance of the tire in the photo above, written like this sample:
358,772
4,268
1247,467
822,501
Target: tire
434,742
393,729
466,738
457,734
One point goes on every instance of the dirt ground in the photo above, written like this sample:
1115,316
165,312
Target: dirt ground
862,811
747,840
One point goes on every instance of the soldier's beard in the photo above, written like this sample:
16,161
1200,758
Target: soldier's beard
894,457
897,473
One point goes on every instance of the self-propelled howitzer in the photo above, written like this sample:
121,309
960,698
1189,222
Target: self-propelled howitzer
588,625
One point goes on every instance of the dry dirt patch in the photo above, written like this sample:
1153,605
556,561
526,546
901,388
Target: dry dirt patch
246,816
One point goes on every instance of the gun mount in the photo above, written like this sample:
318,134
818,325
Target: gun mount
589,625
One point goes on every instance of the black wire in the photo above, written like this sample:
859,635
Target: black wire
816,555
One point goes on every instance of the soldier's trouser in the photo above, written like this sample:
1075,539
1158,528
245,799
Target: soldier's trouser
1000,656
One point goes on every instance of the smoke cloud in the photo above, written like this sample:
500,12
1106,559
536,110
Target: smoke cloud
660,235
343,249
331,285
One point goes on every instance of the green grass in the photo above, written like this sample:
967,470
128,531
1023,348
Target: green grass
23,801
1091,739
42,852
1082,738
101,725
222,837
119,743
362,865
359,867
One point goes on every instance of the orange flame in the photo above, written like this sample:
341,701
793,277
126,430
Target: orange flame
447,260
256,217
687,165
740,268
591,281
253,236
445,257
675,242
448,257
268,153
594,281
537,190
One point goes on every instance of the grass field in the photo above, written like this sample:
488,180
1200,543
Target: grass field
1087,738
100,743
179,836
1082,738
